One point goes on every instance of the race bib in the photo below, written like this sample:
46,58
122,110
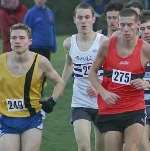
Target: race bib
121,77
85,69
14,105
81,70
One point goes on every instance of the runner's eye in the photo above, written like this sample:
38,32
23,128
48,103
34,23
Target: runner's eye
80,17
13,37
87,17
109,17
130,25
142,28
122,24
21,37
115,17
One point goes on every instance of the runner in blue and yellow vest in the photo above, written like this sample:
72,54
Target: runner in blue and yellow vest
21,77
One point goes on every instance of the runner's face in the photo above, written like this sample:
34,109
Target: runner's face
129,27
19,41
145,31
113,20
84,20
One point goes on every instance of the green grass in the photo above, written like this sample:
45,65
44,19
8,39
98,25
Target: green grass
58,133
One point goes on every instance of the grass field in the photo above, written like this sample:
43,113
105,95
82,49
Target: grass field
58,132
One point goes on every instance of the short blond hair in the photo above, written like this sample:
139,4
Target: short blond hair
21,26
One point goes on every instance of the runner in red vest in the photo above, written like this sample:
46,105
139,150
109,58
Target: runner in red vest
121,94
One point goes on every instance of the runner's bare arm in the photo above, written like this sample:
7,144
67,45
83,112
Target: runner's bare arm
68,67
145,58
108,97
51,74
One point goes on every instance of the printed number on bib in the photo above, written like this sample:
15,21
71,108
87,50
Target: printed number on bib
121,77
14,105
85,70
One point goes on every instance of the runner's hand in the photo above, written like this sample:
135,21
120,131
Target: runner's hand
48,105
109,97
91,91
140,84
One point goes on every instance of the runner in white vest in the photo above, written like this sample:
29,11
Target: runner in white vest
81,52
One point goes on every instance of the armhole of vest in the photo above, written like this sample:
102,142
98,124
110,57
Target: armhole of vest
139,45
99,37
37,64
110,45
109,49
72,42
112,42
139,52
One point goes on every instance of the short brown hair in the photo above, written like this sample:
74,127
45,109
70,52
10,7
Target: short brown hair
134,3
84,5
113,6
21,26
145,16
127,12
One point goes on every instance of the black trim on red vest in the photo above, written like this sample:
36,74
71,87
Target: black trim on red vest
133,76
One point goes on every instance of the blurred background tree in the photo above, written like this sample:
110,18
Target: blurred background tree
63,10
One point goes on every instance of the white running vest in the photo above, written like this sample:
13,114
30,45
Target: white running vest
82,61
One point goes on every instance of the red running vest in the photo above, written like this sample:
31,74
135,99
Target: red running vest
118,72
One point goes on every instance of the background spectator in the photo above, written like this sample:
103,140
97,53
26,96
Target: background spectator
41,20
135,5
11,12
147,4
99,7
112,16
